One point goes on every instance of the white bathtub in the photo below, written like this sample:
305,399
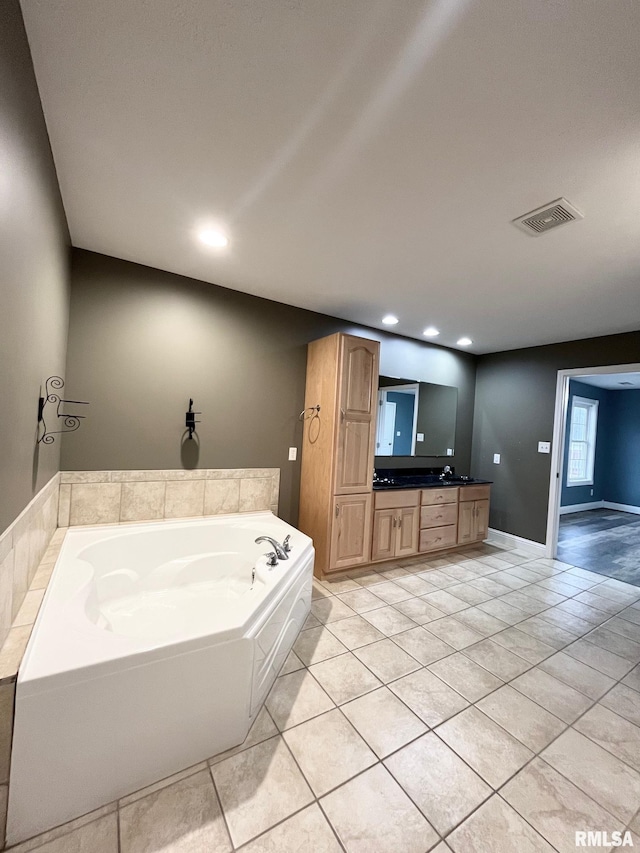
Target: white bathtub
153,650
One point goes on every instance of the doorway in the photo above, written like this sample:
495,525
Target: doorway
594,491
398,416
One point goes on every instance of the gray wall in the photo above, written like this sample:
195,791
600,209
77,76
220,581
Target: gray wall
515,399
33,271
142,341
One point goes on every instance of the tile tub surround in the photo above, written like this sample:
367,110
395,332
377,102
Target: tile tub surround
11,654
112,497
22,547
457,751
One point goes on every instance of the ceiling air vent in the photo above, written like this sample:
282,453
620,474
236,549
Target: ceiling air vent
558,212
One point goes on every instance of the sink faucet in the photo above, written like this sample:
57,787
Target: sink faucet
281,550
445,472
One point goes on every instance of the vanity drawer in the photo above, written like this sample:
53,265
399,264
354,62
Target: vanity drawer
439,496
393,499
435,538
438,516
474,493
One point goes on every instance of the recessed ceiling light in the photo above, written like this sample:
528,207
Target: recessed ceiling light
213,237
464,342
389,320
431,332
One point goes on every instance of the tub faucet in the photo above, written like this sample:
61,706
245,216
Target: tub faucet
281,551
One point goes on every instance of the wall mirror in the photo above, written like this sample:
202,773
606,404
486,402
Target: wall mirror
415,418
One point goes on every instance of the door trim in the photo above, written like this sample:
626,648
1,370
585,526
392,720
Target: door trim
557,446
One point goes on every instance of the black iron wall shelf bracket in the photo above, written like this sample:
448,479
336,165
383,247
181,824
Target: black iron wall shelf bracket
46,412
190,419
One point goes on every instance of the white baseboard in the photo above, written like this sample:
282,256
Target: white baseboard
622,507
565,510
510,540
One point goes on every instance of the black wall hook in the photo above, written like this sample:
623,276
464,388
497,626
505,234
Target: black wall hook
190,419
71,422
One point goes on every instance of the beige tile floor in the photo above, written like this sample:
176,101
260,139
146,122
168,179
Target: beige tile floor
482,703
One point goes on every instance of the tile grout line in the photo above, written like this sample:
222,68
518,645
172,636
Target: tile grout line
219,799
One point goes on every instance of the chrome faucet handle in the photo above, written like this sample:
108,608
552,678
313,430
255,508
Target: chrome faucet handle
272,559
277,547
287,543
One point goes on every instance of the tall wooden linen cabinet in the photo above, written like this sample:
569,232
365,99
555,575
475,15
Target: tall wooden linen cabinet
338,448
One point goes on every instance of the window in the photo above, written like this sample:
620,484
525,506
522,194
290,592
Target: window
582,442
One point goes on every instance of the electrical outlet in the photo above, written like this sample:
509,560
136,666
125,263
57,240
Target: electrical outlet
419,436
544,447
496,458
449,451
591,492
293,454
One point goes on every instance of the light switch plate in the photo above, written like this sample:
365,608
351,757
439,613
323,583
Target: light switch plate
449,451
420,436
544,447
293,454
496,458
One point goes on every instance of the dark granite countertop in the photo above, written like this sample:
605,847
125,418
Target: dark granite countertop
411,479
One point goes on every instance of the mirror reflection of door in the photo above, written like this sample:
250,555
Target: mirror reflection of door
386,429
434,426
397,417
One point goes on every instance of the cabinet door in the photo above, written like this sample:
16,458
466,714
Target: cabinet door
350,531
357,384
384,534
481,519
358,377
466,522
354,462
408,531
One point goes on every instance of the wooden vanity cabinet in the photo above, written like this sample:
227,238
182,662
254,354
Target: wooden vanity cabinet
407,522
396,524
473,514
337,450
350,524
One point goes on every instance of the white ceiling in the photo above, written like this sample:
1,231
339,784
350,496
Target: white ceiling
612,381
364,156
